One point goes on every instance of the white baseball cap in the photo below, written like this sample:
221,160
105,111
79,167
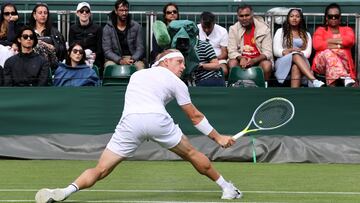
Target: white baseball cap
81,5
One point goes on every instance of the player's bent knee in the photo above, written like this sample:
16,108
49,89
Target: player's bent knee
205,167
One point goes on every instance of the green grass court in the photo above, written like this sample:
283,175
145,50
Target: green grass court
177,181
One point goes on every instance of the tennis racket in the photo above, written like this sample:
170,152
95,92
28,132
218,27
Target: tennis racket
271,114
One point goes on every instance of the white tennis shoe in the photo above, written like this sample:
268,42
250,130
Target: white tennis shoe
318,83
231,192
46,195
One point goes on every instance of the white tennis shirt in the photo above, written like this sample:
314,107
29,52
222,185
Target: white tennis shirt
149,90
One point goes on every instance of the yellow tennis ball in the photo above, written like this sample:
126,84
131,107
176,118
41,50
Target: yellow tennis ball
260,122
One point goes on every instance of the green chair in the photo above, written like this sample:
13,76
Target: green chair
96,69
117,75
255,74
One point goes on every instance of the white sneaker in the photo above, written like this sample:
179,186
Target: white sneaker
231,192
348,82
318,83
46,195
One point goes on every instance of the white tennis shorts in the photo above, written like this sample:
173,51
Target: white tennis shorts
134,129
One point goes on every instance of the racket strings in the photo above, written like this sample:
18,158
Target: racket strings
273,114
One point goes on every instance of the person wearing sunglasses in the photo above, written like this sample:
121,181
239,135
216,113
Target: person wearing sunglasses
8,28
75,72
89,34
8,24
170,13
332,43
250,42
122,40
26,68
292,47
51,42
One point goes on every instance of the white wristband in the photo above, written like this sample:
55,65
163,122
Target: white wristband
204,126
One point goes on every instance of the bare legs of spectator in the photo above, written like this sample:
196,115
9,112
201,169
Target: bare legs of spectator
299,68
266,66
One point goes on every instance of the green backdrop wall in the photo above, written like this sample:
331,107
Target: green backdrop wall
48,110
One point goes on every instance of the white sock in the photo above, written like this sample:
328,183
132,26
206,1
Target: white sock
222,182
71,189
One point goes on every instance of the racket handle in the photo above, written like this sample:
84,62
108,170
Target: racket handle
239,135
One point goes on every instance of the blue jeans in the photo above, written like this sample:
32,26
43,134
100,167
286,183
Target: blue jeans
211,82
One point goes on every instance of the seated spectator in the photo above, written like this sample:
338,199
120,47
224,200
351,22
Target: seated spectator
74,72
8,24
122,40
250,42
208,72
27,68
89,34
8,28
170,13
217,36
51,43
292,46
333,44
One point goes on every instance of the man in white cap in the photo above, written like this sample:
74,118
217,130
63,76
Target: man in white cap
146,96
89,34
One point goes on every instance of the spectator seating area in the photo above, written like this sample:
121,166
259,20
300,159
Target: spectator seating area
64,18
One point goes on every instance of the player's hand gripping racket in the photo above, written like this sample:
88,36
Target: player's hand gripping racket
271,114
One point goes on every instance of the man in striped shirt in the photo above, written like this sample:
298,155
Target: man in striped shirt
209,71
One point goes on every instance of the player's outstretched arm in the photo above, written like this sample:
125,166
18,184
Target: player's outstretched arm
202,124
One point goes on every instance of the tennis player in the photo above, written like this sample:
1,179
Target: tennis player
145,117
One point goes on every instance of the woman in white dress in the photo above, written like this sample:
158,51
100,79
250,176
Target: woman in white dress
292,46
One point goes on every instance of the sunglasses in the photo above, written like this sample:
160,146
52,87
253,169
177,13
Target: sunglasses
84,11
26,37
78,51
242,16
171,12
10,13
333,17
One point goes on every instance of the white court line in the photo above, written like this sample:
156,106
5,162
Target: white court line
124,201
196,191
132,201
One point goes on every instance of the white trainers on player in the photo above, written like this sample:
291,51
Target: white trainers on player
231,192
46,195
